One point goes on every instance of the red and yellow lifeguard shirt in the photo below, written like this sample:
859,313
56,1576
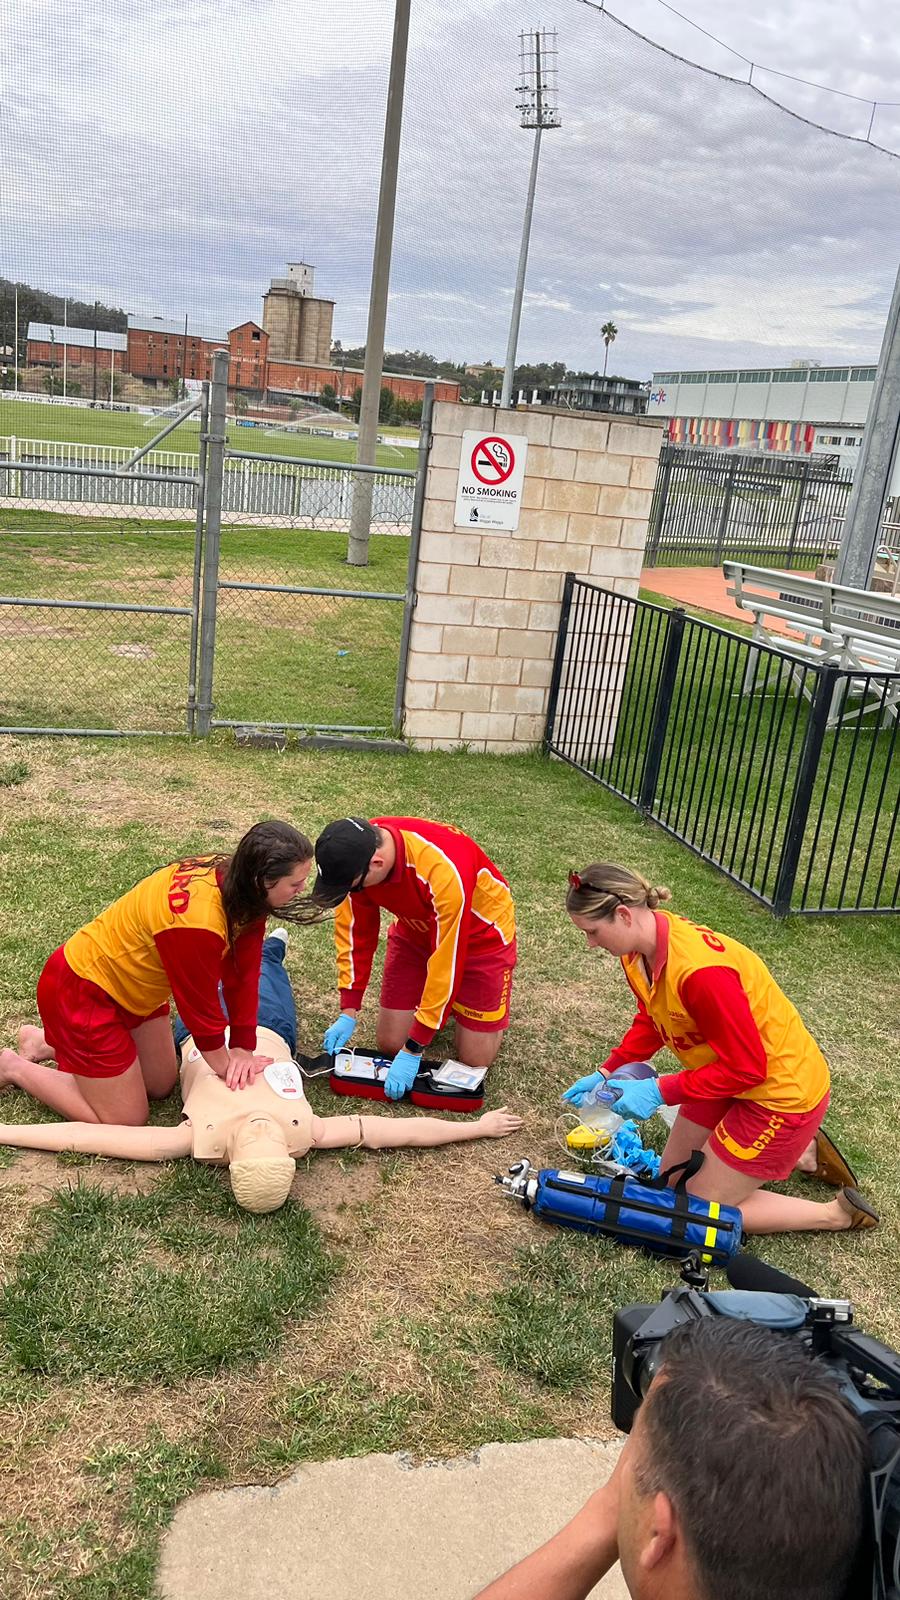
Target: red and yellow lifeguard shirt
447,896
720,1011
168,937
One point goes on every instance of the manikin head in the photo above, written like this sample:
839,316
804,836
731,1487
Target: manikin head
260,1167
745,1475
613,907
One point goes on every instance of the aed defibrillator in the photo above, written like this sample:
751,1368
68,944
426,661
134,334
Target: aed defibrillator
437,1086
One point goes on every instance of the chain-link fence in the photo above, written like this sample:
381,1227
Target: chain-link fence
106,557
98,608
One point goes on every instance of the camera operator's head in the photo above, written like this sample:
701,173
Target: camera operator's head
748,1473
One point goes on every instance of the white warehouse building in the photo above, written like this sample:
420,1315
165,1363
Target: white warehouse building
797,410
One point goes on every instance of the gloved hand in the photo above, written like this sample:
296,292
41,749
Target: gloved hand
582,1088
639,1097
403,1070
338,1034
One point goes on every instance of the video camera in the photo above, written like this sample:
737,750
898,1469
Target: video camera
867,1373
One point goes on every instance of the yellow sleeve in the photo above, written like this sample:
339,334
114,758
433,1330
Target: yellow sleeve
357,924
446,963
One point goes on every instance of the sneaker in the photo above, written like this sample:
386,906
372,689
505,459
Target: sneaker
280,933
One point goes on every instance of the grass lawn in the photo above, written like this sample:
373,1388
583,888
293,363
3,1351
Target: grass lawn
153,1340
28,420
293,658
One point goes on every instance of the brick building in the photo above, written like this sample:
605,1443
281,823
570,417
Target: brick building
158,351
49,343
294,378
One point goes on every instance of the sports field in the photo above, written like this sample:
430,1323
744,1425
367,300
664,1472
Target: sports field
78,424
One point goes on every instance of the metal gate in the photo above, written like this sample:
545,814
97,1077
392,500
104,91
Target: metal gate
99,590
139,598
293,637
715,505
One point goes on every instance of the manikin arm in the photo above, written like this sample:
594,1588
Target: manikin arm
101,1139
391,1133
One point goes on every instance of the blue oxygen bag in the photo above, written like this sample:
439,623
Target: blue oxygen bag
651,1216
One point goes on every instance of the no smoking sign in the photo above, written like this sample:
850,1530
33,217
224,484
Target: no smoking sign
491,475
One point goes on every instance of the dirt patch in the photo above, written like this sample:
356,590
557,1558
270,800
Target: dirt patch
145,588
36,1175
333,1189
23,628
61,561
135,652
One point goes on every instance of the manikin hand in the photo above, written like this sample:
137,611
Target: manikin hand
498,1124
244,1067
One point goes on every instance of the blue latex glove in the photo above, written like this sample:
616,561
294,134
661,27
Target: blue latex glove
582,1087
338,1034
403,1070
638,1097
628,1149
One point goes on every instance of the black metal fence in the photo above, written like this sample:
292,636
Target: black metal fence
711,506
784,774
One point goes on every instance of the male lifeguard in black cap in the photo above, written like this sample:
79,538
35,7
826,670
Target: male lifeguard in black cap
452,948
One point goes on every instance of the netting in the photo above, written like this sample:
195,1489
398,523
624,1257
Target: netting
171,159
173,162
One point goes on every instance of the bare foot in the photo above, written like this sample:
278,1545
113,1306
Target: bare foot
8,1059
32,1044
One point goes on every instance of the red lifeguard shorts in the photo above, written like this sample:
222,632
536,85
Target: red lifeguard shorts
755,1139
482,1000
89,1033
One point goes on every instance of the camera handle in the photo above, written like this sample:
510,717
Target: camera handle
694,1273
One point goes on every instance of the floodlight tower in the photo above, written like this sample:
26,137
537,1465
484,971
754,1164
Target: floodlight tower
537,104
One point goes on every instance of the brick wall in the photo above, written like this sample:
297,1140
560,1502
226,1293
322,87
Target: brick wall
484,628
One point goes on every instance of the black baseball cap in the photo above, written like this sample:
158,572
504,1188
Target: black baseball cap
344,851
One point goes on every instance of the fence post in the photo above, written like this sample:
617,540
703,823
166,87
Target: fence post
726,508
412,566
802,485
198,559
823,695
562,635
664,692
215,471
660,499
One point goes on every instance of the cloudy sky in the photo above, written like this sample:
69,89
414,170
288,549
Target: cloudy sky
169,156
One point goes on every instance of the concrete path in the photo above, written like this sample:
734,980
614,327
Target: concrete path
380,1528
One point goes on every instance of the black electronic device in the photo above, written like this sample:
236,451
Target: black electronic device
867,1372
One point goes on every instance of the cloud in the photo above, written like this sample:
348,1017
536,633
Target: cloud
171,155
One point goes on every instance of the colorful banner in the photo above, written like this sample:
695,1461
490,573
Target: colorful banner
728,433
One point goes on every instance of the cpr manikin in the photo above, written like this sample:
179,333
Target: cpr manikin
257,1132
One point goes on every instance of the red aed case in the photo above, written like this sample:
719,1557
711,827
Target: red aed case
437,1086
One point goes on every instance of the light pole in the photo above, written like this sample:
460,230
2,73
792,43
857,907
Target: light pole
537,91
367,442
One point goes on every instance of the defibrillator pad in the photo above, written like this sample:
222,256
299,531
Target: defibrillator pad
284,1077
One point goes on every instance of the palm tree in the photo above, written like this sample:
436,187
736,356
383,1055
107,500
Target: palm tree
609,331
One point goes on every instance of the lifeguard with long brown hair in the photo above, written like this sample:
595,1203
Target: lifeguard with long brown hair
104,995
